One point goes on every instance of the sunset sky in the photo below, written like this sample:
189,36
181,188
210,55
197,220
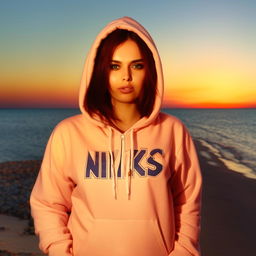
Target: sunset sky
208,49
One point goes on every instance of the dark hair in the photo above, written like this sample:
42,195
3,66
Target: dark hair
97,99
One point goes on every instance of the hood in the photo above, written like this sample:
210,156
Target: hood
131,25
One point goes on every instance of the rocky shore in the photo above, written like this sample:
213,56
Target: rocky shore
16,182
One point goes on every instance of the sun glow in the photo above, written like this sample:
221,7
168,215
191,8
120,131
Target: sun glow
218,80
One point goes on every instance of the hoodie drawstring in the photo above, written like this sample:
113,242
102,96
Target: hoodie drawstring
122,155
112,167
130,173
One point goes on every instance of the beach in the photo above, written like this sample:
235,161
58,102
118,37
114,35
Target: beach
228,208
16,226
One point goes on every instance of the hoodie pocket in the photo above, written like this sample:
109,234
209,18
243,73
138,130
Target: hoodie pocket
123,238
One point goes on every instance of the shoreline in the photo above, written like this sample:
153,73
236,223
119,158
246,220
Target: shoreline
230,164
228,208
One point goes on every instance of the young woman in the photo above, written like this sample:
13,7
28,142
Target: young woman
121,178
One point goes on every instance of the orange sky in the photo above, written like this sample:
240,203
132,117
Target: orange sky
193,86
212,78
221,79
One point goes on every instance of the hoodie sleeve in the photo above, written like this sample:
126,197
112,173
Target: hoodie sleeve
186,184
50,199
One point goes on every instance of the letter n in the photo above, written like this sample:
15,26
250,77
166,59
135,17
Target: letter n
92,166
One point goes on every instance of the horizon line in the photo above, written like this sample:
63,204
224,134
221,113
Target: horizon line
164,107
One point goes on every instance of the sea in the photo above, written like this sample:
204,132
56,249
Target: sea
230,134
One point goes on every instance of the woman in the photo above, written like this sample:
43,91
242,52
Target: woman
121,178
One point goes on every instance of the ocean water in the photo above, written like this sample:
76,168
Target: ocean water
229,133
25,132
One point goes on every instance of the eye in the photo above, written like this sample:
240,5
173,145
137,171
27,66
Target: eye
138,66
114,66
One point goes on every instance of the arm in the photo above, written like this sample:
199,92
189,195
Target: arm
186,183
50,199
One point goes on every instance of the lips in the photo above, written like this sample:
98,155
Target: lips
126,89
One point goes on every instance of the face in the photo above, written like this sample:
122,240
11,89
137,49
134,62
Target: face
127,73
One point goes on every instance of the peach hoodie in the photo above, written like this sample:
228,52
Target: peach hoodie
87,202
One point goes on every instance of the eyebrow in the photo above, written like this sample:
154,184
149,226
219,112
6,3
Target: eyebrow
117,61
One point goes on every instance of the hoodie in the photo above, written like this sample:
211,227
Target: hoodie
100,192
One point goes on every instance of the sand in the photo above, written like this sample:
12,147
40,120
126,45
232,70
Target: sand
228,211
12,238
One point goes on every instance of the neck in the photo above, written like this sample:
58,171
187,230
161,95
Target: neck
127,114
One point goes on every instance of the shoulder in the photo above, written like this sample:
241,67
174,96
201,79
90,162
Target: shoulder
71,120
171,121
176,129
69,123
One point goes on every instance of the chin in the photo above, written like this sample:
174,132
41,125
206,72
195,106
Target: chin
124,100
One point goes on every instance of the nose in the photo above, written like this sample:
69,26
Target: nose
127,76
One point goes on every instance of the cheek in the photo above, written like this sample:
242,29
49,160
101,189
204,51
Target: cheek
140,78
112,80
